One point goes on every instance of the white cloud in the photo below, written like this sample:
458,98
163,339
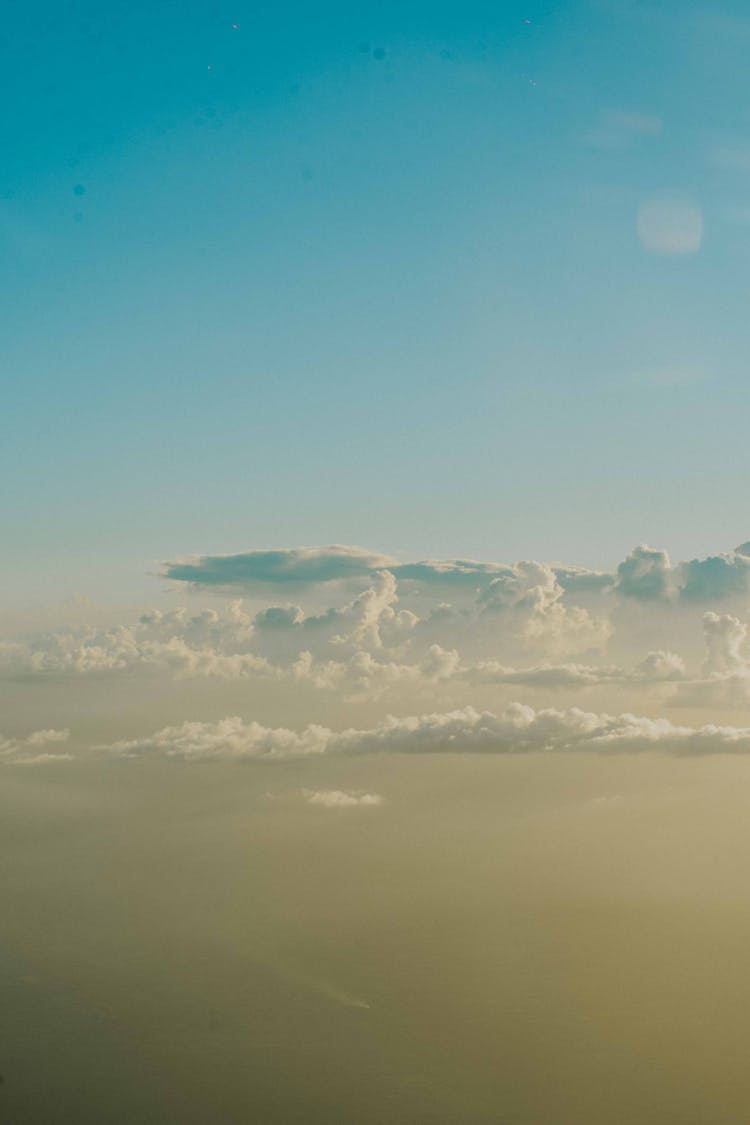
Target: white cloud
535,624
29,751
647,573
228,738
207,643
339,799
518,729
726,645
532,594
372,615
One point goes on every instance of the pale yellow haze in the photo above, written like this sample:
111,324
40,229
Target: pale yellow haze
487,939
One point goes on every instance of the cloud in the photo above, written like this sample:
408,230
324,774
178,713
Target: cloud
279,617
715,577
518,729
372,613
670,226
532,594
339,799
207,643
30,751
726,667
657,667
660,667
368,621
227,738
648,574
726,645
528,623
307,566
725,680
645,573
300,566
363,675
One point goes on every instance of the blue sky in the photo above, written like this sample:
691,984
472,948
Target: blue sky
374,277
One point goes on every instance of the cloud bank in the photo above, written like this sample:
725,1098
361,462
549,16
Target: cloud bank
351,637
647,573
517,729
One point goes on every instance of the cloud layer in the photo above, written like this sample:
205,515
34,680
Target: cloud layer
517,729
355,637
647,573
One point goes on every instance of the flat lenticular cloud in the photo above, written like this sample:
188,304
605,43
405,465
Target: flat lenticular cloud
295,565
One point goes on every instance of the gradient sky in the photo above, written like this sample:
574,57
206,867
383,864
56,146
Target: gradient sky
370,274
375,614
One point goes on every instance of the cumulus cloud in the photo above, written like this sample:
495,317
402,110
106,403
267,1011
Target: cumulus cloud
534,624
726,645
531,592
648,573
32,750
716,577
339,799
660,667
517,729
725,679
726,667
373,616
208,643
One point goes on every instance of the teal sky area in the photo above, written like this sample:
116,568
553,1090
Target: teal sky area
439,279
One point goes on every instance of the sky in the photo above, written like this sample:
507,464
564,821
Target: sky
375,601
436,281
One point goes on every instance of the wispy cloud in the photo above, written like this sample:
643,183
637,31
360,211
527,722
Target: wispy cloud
32,750
670,226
